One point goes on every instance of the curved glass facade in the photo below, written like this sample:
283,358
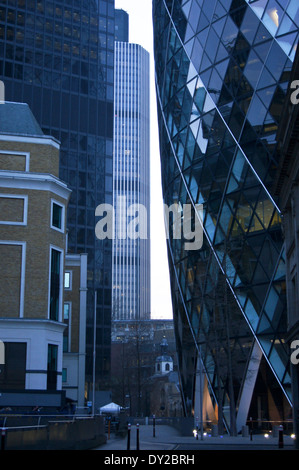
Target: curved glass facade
222,72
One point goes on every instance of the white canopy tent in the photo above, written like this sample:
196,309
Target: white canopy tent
110,408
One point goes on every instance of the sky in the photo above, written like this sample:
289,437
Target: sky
140,32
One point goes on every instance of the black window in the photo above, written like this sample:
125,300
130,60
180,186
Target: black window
57,216
55,285
13,371
52,367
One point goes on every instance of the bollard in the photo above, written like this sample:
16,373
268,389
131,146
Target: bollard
251,428
214,430
129,437
3,432
137,436
109,424
245,431
280,437
154,426
275,431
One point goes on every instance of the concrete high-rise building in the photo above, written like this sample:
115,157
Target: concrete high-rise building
222,74
131,183
58,57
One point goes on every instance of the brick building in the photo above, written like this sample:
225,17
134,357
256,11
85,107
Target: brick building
33,207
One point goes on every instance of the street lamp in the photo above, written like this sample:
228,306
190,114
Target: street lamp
200,393
94,352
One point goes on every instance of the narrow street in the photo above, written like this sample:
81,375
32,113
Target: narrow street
168,439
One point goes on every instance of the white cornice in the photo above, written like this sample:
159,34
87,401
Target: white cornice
34,181
28,323
47,140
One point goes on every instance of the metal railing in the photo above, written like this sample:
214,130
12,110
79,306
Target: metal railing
42,424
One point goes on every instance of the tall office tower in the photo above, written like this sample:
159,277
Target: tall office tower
222,73
58,56
131,184
121,26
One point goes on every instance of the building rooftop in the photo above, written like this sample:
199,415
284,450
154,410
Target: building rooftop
17,118
164,358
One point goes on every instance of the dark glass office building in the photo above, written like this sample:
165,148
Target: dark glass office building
222,73
58,57
121,26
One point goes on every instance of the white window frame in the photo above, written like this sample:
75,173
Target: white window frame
71,279
25,209
23,271
69,322
70,309
60,204
19,154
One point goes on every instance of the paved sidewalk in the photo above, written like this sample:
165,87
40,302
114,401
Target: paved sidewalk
168,438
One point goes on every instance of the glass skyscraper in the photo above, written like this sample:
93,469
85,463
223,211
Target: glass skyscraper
222,73
121,26
131,183
58,56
